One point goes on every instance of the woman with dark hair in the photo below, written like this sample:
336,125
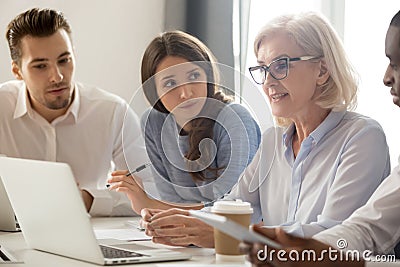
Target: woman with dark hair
198,141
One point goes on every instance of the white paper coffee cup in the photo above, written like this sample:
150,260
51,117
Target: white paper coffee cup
227,247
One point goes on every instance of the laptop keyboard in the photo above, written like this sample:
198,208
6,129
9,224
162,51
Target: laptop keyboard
114,253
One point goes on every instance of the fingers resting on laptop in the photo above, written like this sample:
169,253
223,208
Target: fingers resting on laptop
175,227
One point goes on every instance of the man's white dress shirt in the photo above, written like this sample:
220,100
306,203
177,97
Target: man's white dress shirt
98,132
376,225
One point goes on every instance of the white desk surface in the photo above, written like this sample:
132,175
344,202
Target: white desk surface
32,258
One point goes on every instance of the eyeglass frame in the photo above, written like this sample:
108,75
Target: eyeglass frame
288,60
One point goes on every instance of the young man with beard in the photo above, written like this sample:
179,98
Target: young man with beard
46,115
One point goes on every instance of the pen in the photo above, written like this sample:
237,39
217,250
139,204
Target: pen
138,169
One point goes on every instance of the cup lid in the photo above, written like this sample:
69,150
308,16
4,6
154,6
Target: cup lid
232,207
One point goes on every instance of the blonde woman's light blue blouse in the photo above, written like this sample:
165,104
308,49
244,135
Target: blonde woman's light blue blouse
338,167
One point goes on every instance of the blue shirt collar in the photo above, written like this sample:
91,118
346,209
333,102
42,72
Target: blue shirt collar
330,122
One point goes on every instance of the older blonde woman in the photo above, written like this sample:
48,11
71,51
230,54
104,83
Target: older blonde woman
322,162
373,228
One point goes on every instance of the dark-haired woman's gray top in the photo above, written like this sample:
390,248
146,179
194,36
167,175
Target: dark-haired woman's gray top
236,137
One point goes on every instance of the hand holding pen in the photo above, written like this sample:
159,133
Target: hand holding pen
138,169
126,182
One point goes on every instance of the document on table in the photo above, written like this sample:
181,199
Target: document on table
121,234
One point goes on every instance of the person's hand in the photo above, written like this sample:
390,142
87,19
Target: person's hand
261,255
87,199
132,187
147,214
175,227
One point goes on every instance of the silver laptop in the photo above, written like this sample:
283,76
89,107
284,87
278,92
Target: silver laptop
52,216
8,222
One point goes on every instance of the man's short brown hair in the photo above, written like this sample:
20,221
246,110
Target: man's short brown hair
34,22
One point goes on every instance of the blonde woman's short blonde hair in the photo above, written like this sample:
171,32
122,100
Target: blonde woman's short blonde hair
314,34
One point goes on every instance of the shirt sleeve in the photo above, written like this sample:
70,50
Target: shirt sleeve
128,153
362,166
375,226
241,189
238,138
247,187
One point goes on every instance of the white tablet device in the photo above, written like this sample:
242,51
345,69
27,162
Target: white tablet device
232,228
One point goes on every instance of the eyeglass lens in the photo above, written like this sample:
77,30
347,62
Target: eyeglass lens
278,69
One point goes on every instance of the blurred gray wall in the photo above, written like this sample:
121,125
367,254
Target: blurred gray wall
208,20
211,22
